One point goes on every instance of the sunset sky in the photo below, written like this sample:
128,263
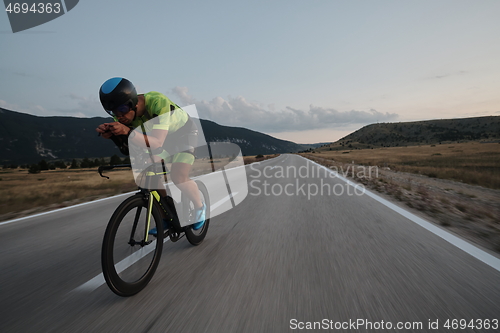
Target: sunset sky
305,71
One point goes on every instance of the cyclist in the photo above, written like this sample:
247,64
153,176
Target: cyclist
120,100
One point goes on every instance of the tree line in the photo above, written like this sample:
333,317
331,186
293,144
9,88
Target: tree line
84,163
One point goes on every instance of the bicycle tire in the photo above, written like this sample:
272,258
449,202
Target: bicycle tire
195,237
128,268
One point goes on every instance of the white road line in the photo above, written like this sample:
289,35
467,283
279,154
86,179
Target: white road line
92,284
477,253
65,208
98,280
221,201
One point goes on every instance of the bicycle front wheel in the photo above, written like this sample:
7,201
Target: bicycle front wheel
130,255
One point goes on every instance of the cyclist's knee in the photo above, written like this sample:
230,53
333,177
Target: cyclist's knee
180,173
180,178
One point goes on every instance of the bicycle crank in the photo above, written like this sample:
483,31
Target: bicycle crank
174,236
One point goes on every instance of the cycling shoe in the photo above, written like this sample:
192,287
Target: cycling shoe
154,232
200,217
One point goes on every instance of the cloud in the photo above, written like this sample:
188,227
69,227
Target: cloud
8,106
239,112
20,73
37,110
182,93
448,75
85,107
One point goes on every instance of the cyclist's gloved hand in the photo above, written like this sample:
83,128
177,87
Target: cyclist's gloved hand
118,128
104,131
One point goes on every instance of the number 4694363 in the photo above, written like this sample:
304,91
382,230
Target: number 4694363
36,8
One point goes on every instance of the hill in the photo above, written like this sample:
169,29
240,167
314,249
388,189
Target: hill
314,145
26,138
420,132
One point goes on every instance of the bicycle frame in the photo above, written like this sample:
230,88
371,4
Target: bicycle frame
119,242
150,196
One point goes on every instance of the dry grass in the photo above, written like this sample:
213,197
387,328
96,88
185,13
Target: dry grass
253,159
206,165
21,191
472,163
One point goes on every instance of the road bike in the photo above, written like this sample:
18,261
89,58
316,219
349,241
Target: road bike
130,254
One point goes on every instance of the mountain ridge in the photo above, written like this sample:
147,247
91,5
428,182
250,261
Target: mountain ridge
26,138
420,132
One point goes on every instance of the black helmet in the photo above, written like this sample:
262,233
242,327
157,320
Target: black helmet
117,91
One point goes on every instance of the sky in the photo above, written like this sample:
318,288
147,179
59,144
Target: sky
305,71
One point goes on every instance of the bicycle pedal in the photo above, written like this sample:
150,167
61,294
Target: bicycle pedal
174,236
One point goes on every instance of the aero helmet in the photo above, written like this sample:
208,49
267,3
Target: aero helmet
116,92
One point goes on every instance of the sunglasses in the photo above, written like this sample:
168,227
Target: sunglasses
122,109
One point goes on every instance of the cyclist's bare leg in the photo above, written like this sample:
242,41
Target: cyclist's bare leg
162,192
180,177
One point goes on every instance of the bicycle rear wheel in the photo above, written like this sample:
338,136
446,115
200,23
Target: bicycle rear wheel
129,255
195,237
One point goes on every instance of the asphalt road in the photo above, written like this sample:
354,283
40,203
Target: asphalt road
281,260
